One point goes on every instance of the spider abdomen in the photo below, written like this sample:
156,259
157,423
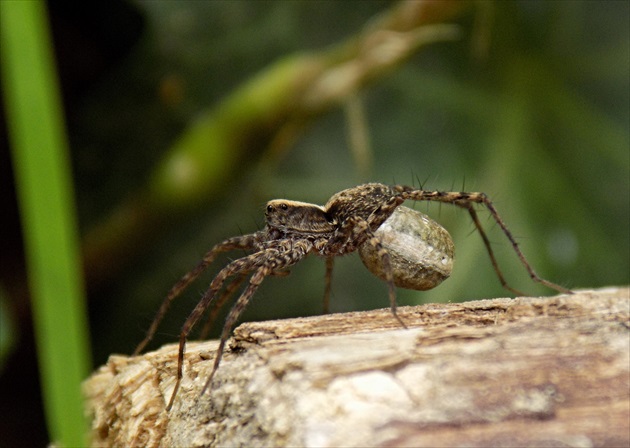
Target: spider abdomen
421,251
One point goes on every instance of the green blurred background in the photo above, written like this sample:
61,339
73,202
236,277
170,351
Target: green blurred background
531,105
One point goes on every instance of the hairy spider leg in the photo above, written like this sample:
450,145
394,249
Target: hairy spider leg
385,260
298,251
237,309
225,295
361,233
386,210
264,262
475,218
466,200
218,303
360,229
236,267
238,242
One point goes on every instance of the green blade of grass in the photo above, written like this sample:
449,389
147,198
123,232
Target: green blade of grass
44,186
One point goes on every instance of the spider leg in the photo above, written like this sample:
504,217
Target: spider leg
298,251
383,254
225,295
346,239
218,304
240,266
384,212
466,200
238,242
235,313
486,242
357,231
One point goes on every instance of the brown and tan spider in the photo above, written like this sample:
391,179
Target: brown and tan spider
348,222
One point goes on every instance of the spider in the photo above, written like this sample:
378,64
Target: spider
349,220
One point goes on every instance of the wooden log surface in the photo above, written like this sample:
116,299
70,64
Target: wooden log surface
547,371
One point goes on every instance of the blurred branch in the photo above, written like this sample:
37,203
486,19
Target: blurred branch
265,115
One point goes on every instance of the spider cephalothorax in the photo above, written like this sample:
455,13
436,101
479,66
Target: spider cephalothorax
351,220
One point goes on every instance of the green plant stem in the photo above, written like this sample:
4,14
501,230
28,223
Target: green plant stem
44,186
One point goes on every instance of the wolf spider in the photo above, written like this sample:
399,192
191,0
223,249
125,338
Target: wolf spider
293,230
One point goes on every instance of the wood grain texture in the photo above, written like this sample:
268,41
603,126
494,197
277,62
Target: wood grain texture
549,371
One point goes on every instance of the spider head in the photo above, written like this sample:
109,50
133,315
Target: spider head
300,217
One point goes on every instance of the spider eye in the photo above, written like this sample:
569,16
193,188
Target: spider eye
269,208
284,206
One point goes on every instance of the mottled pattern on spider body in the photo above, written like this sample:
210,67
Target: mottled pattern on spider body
370,202
349,220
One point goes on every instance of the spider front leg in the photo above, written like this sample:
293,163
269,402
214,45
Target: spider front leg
234,284
265,262
275,260
224,297
467,200
246,242
239,268
235,312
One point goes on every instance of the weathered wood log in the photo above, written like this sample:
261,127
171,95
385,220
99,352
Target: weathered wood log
552,371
